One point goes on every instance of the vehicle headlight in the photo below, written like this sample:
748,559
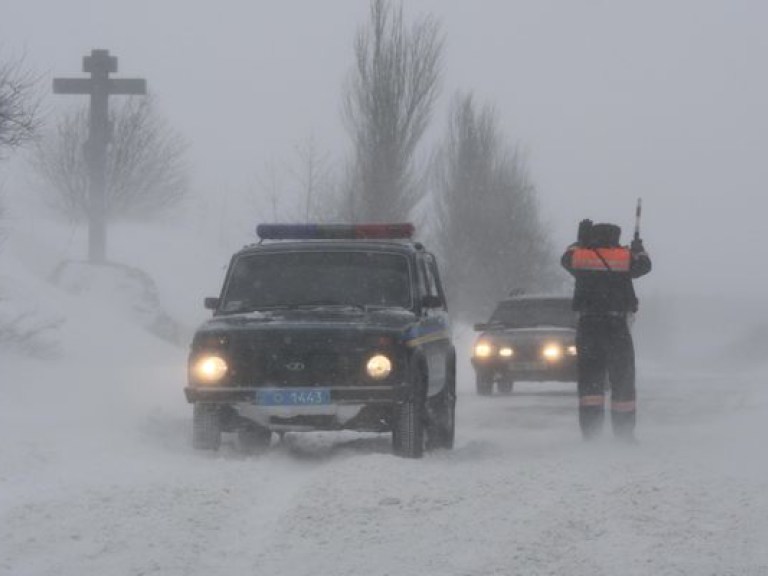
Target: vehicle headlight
209,369
552,352
506,352
378,367
571,350
483,350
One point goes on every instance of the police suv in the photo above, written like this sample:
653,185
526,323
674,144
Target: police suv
326,327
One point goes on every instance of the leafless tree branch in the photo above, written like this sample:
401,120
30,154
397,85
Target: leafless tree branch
490,232
19,104
27,333
146,171
388,104
312,171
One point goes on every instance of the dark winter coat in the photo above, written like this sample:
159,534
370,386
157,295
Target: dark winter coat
604,277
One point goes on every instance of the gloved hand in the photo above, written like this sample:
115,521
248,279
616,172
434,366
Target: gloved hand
585,231
637,246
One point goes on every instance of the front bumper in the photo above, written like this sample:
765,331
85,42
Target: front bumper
565,371
339,395
364,408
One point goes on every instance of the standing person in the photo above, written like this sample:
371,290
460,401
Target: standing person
605,299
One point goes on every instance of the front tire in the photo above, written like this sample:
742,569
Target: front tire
483,384
442,426
506,386
441,432
408,434
408,431
206,427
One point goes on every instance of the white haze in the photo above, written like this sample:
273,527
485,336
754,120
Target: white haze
611,101
97,474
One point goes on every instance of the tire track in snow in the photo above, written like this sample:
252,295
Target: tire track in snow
187,517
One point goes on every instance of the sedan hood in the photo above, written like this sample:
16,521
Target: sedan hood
537,333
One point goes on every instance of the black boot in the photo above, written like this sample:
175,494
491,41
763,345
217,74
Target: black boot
591,420
623,424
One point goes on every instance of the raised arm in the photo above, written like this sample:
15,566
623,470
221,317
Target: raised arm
640,262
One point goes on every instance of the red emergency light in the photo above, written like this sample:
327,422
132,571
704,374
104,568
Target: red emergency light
335,231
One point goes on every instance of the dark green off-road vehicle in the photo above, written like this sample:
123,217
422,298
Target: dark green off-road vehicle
326,327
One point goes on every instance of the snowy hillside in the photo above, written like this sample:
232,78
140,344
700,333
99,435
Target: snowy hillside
97,475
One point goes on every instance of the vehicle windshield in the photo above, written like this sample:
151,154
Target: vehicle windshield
304,279
529,313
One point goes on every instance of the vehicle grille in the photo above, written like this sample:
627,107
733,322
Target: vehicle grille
300,361
527,352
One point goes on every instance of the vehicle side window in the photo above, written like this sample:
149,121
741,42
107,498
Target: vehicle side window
435,288
421,273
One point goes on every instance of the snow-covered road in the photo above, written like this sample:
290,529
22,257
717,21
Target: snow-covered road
97,477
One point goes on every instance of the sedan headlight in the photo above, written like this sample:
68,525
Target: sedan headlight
552,352
378,367
209,369
483,350
571,350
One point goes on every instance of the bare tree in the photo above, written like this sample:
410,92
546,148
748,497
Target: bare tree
146,172
27,332
336,200
269,185
19,104
490,232
388,104
317,198
19,111
312,171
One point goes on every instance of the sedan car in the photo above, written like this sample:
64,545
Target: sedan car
527,338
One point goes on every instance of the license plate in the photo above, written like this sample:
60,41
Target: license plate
293,397
529,366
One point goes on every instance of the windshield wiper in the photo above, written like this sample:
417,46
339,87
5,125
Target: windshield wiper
266,309
385,307
330,304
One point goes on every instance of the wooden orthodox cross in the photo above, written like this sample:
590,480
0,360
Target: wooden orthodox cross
99,86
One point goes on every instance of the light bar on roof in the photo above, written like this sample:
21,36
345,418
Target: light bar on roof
334,231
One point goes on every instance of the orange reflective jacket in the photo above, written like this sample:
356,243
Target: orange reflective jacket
601,259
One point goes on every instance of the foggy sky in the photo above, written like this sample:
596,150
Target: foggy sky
609,100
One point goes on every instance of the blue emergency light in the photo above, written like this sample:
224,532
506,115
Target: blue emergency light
334,231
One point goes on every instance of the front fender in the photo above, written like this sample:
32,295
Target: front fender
416,376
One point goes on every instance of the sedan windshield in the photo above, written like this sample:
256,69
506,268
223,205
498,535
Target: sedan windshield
309,279
529,313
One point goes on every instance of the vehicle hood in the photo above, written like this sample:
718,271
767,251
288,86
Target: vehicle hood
317,319
537,333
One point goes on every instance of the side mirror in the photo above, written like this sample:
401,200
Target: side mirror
211,303
431,301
